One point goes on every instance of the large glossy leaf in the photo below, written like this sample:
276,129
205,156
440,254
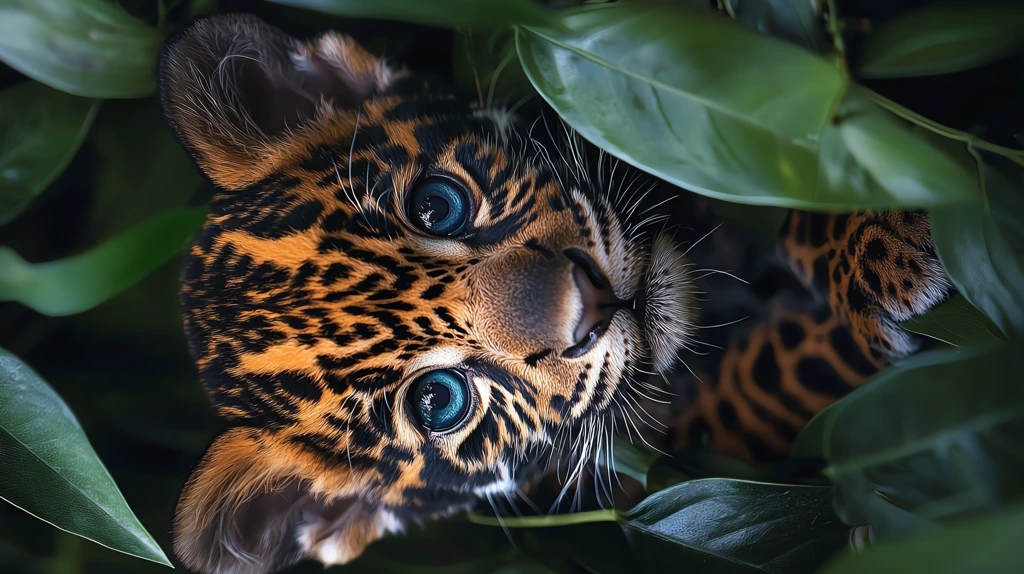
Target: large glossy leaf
990,545
50,471
942,39
956,322
708,105
89,48
40,131
80,282
448,13
722,525
981,246
933,438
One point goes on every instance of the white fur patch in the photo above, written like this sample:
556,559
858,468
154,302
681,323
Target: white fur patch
669,313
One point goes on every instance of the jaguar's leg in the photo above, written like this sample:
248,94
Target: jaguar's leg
873,270
769,381
877,269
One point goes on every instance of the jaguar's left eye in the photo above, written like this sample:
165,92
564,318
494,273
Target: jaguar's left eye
439,206
440,399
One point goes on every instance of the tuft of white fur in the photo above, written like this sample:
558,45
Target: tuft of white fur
669,311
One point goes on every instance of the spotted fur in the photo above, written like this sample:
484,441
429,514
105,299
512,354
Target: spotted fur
312,302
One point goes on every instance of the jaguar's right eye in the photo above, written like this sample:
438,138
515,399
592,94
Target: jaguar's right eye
439,206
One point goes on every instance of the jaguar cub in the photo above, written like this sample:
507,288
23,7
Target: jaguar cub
402,302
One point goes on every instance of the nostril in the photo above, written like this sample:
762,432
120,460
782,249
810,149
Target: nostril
599,302
584,262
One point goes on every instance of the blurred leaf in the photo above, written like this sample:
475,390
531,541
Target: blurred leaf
51,471
447,13
981,247
670,91
798,22
633,461
990,545
906,164
932,438
143,171
486,64
955,322
80,282
942,39
89,48
723,525
40,131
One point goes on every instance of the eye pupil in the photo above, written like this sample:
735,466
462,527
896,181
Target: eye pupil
439,206
435,397
440,399
434,210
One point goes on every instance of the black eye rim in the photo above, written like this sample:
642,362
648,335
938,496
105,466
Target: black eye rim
411,412
466,229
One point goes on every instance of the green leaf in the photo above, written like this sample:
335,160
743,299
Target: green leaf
798,22
942,39
633,461
723,111
981,247
447,13
906,164
932,438
990,545
50,471
957,323
40,131
80,282
723,525
89,48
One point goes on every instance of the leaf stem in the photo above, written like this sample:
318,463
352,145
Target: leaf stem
973,142
609,515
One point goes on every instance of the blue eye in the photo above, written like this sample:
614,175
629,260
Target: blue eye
439,206
440,399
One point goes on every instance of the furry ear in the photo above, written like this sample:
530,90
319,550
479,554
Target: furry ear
232,86
246,509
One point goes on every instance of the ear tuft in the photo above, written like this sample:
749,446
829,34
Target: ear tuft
247,509
232,87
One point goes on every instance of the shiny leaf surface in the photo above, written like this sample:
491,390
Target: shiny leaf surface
50,471
722,525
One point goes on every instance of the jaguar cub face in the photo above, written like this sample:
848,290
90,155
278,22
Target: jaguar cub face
399,301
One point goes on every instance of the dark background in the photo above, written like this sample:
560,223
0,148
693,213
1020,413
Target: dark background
123,367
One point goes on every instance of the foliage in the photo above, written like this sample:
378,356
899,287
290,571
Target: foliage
767,103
